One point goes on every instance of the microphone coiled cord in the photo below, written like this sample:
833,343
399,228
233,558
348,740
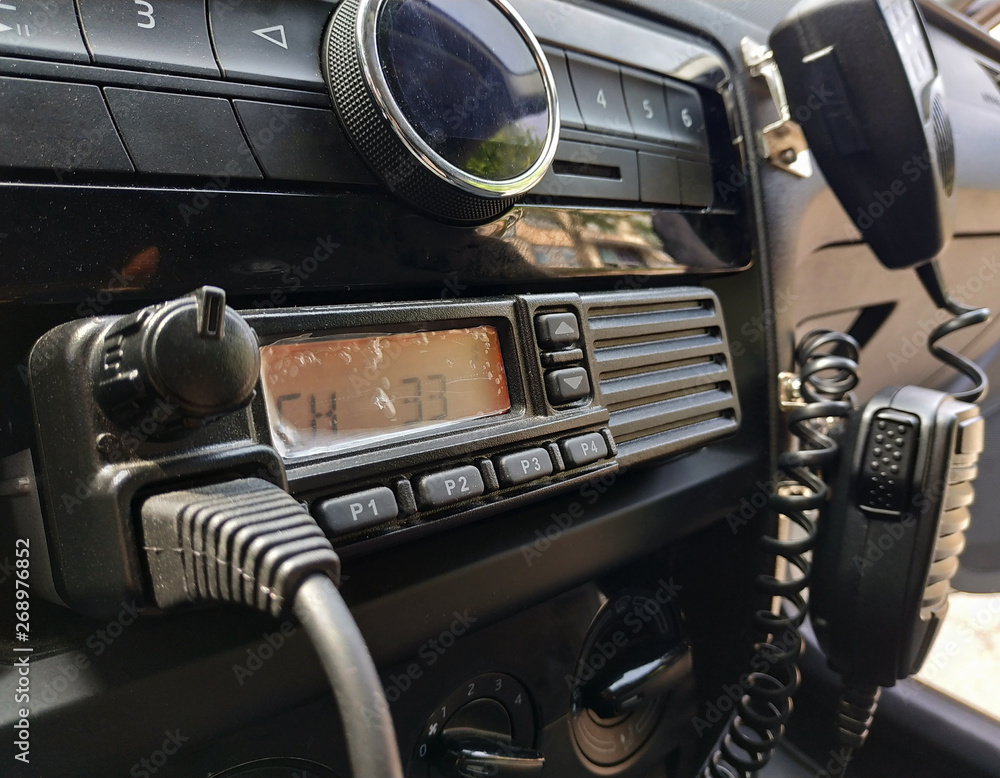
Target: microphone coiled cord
828,372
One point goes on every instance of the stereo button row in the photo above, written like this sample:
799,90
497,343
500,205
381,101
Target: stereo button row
630,103
590,171
68,128
265,41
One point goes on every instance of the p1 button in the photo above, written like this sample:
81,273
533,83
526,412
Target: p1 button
353,512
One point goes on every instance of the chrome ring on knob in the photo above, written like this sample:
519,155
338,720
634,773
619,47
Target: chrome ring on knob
369,13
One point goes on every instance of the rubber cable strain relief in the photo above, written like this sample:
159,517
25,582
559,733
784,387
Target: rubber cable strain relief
246,542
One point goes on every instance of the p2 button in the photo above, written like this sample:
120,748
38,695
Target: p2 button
440,489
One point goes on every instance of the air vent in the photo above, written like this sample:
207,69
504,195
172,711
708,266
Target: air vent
663,370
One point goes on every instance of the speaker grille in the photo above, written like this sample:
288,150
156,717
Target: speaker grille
944,138
663,370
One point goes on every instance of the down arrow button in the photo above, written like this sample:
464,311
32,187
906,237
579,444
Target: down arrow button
568,386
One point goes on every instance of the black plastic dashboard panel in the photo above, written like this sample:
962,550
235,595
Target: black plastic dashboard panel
194,194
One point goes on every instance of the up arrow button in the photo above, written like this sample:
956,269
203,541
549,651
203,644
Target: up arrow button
558,330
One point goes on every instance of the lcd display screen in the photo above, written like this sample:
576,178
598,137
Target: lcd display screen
323,393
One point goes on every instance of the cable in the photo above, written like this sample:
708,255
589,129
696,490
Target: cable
371,739
965,316
828,373
251,543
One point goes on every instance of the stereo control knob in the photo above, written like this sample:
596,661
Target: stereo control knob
178,365
450,102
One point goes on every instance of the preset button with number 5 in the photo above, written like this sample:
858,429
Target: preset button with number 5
160,35
647,106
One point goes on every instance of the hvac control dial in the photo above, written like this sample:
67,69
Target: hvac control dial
450,102
485,727
634,666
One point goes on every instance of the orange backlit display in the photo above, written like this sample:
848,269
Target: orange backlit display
322,393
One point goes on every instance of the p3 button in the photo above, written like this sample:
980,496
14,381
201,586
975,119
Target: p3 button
440,489
525,467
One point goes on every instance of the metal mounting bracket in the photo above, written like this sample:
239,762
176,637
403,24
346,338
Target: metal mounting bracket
789,395
781,143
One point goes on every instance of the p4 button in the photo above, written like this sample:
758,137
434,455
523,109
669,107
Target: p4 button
585,450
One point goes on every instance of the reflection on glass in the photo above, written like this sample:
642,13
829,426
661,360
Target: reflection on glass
557,239
467,82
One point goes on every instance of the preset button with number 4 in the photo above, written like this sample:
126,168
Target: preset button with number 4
585,450
598,88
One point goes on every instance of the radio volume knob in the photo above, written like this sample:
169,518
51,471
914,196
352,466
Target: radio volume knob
450,102
177,366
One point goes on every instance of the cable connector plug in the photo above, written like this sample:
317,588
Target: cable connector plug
246,542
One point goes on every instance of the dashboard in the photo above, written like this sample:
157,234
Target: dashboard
511,338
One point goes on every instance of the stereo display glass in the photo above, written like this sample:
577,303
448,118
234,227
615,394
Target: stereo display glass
323,393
